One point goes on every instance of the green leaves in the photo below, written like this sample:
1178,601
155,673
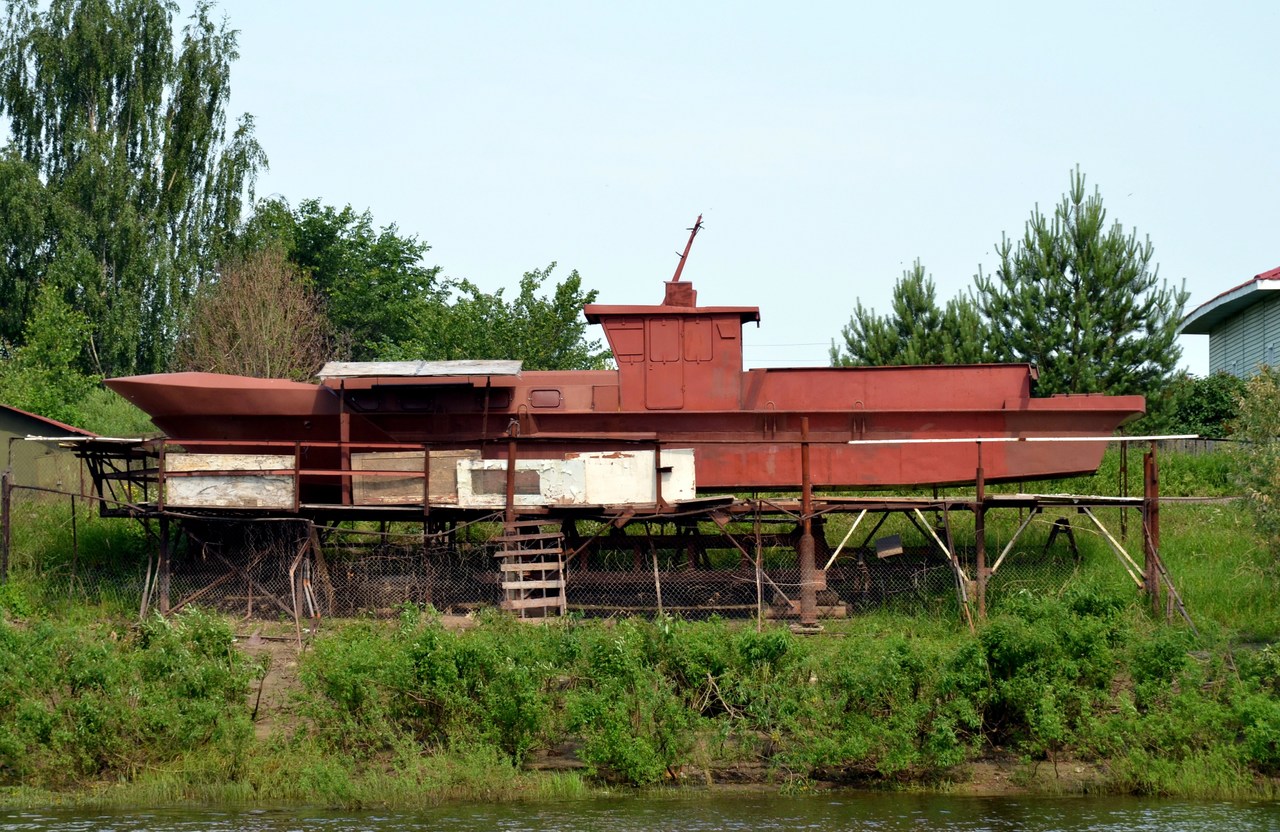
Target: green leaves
132,182
1082,301
382,303
917,331
1075,296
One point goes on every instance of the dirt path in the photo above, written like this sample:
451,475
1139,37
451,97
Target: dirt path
271,696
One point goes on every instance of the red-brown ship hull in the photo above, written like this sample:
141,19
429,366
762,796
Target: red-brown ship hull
754,448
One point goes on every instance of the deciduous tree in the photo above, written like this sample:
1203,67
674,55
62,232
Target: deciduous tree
383,302
120,163
43,375
546,332
373,281
260,318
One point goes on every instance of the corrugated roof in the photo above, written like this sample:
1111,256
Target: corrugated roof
413,369
53,423
1208,315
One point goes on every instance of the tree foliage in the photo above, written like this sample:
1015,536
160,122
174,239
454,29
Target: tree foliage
545,332
260,318
120,170
43,375
1077,297
373,282
1205,406
1258,454
1082,300
383,303
916,330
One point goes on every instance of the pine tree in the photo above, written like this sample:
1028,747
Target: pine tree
916,331
1082,300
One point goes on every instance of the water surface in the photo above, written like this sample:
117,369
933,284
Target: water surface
705,813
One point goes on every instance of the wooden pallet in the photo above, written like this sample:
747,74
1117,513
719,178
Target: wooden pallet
531,565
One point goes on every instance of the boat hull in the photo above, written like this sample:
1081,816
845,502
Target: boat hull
862,427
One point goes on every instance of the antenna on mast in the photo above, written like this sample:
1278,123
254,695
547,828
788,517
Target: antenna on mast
693,232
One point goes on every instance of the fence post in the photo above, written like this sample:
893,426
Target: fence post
6,522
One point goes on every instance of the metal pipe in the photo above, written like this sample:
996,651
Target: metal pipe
808,568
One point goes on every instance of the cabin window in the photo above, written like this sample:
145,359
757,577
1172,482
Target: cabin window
627,340
363,400
664,340
544,398
698,336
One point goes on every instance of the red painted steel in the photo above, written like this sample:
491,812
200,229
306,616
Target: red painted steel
679,381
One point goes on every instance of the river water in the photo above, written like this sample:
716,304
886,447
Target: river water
703,813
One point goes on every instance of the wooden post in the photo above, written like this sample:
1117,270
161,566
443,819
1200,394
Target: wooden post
808,568
1151,526
6,522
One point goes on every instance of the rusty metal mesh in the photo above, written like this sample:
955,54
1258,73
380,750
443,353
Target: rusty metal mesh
690,567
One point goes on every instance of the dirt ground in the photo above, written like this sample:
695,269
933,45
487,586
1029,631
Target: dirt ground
271,700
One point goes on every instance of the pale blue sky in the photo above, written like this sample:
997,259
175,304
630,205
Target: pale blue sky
827,144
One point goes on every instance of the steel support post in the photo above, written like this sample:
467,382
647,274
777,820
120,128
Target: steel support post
509,516
805,551
1151,525
980,537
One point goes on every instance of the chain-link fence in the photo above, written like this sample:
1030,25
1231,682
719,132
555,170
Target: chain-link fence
742,564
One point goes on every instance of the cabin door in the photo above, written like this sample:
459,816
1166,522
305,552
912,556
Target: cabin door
664,369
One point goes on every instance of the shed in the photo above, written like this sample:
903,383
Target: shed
40,464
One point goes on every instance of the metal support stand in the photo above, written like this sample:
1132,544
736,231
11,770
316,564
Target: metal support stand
980,537
808,568
1151,526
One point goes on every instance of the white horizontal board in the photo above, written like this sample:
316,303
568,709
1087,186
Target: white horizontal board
227,462
609,478
419,369
228,490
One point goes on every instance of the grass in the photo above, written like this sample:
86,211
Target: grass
1070,664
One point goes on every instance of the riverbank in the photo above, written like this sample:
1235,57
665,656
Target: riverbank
1083,693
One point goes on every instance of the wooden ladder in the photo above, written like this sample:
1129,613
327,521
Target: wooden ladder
531,565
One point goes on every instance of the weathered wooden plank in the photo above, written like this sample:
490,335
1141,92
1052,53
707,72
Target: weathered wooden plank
230,492
182,463
532,603
404,369
550,566
520,538
383,490
613,478
543,584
